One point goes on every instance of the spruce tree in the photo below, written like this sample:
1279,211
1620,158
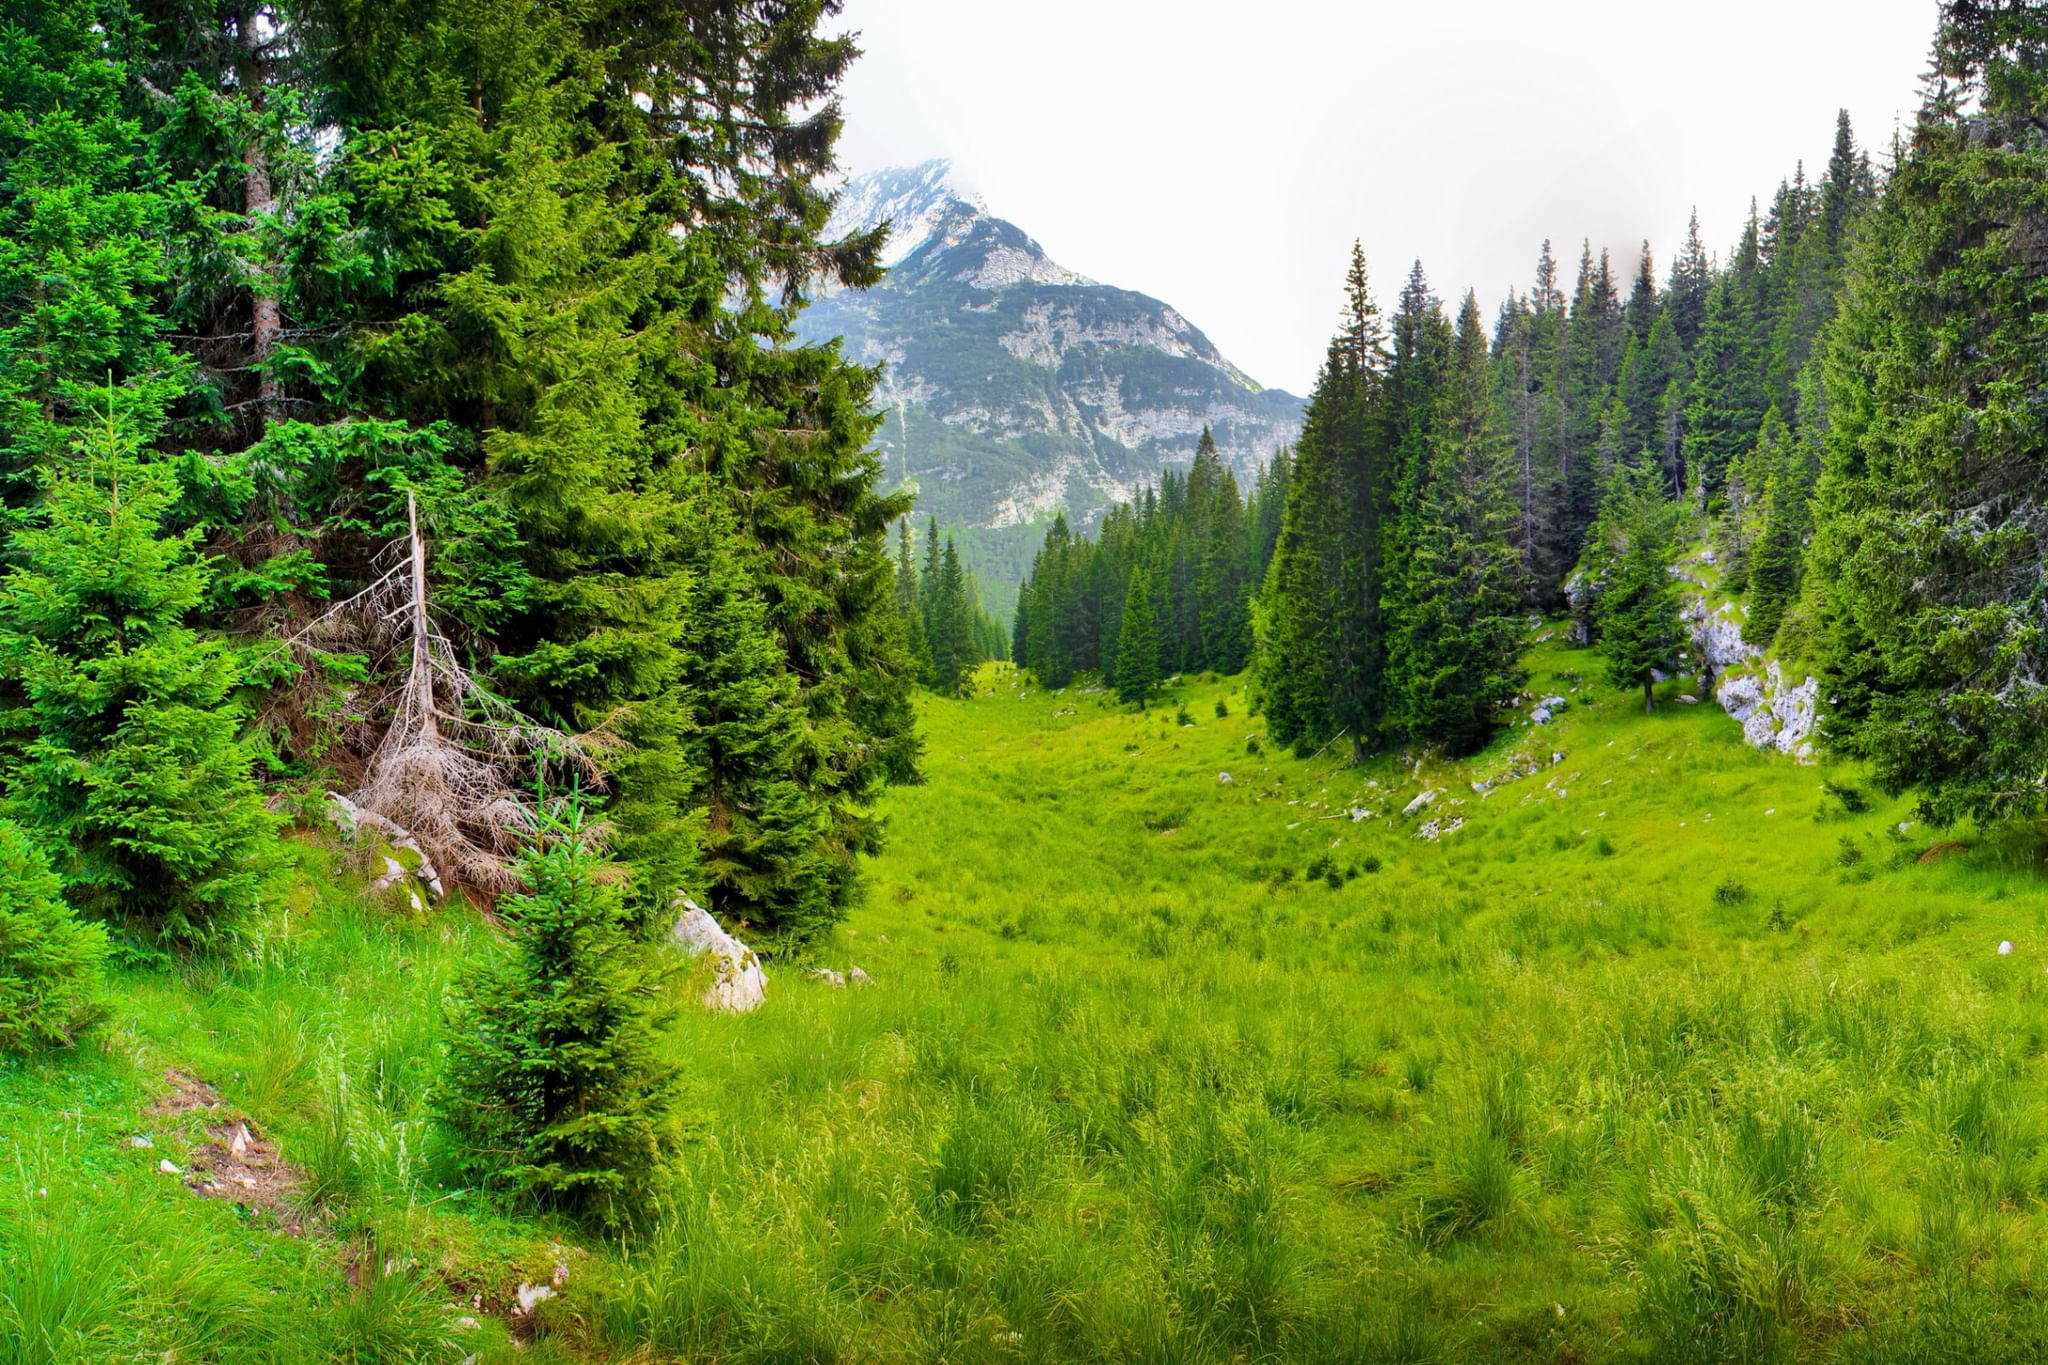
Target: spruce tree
131,768
953,624
1137,645
1647,375
1404,428
1726,404
1634,546
557,1088
51,963
1928,549
1692,280
81,216
764,860
1456,632
917,652
1543,422
1782,493
609,366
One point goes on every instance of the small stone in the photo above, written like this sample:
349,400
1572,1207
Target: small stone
859,978
1422,802
836,980
2005,948
139,1142
531,1295
1224,779
166,1168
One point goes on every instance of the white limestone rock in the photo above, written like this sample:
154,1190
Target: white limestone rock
738,985
1717,637
1772,711
1422,802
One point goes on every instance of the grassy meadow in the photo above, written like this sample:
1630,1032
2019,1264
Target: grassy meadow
1669,1050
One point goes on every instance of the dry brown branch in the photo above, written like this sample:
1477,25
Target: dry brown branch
456,767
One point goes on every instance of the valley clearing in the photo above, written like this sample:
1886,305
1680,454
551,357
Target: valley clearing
1174,1051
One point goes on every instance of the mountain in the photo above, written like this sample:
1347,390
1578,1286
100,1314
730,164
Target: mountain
1015,387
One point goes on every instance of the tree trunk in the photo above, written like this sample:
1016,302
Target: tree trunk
258,203
1649,696
422,666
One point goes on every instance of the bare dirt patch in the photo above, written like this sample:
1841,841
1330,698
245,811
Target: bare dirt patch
242,1167
1943,851
188,1093
237,1163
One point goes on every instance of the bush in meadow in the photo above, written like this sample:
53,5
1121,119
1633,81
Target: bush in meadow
51,963
555,1088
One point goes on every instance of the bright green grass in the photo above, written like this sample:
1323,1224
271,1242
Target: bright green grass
1663,1055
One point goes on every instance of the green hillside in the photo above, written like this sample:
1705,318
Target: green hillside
1667,1051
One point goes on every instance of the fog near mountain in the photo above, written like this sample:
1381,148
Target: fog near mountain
1225,158
1016,388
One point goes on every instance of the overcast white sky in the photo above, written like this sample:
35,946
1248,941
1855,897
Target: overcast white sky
1222,156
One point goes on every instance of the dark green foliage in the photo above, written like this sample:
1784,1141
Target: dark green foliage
1637,614
126,758
917,654
1322,639
520,171
1202,546
1137,643
1928,550
947,631
1776,554
765,860
1455,640
51,963
81,265
555,1089
1727,400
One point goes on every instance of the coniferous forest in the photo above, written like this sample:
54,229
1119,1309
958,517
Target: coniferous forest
519,840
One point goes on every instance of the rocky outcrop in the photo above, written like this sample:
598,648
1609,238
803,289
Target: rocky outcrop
737,982
1580,593
1773,712
399,862
1716,636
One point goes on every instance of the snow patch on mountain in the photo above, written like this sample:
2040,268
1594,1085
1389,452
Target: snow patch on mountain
919,202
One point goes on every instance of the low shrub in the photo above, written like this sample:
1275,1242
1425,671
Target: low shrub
51,963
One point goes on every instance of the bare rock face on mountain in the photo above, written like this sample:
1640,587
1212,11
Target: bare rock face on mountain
1015,388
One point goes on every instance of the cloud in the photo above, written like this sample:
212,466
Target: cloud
1222,157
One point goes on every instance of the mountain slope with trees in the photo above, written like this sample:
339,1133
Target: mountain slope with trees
1014,389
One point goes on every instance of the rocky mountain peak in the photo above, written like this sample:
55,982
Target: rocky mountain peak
1015,388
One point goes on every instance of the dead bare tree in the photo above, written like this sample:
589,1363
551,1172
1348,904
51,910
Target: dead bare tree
457,769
